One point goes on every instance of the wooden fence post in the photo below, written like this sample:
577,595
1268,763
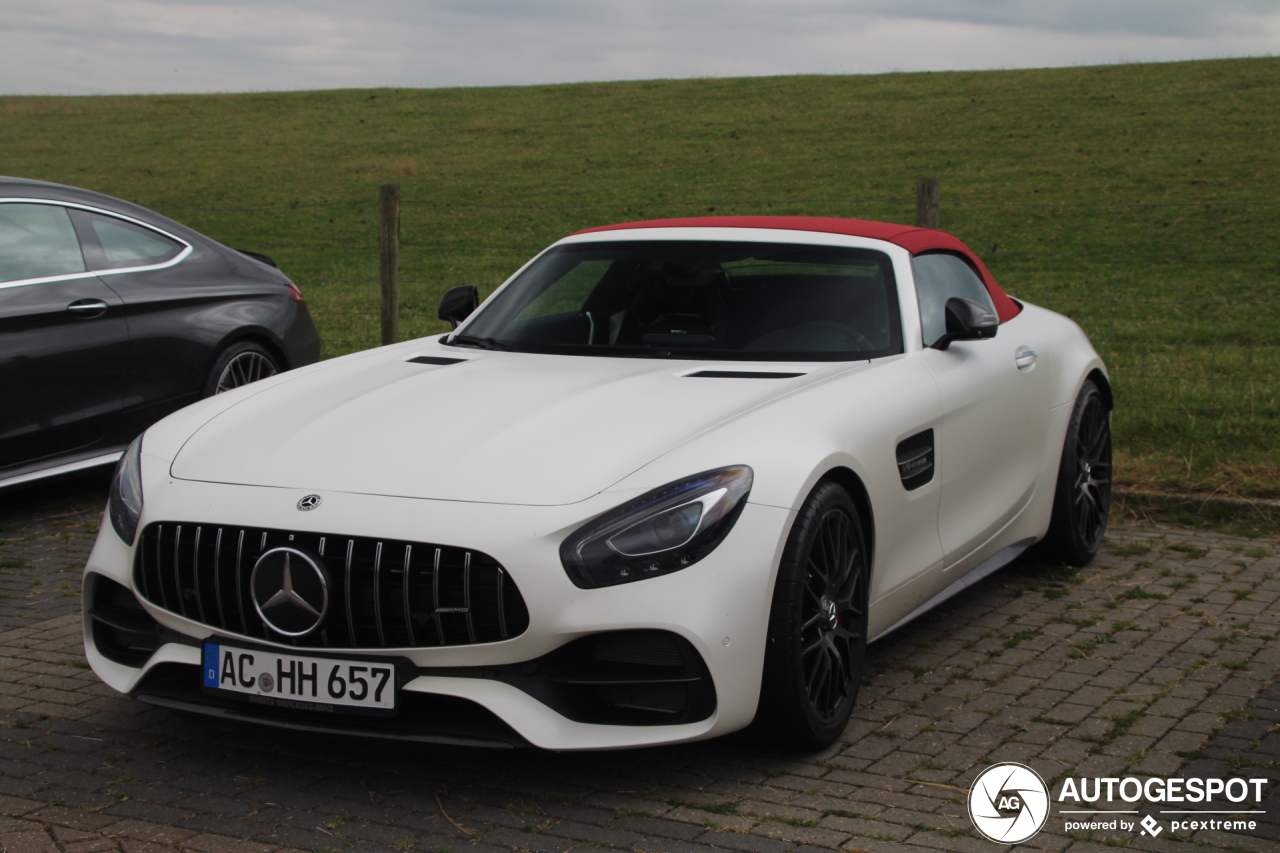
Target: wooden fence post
927,194
389,260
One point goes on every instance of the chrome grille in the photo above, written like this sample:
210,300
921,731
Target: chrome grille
384,593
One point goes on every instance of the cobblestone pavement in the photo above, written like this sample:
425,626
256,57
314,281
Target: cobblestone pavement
1159,659
46,533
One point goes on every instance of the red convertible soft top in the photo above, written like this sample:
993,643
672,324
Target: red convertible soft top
914,240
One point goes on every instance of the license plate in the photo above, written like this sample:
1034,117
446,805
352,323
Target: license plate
299,681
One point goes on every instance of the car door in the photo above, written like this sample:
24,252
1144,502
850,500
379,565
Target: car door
170,346
63,341
995,412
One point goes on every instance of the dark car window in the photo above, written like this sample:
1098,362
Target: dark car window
37,240
111,243
940,276
700,299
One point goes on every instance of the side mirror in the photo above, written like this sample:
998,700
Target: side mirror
967,321
458,303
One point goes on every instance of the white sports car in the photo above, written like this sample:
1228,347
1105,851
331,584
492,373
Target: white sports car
665,483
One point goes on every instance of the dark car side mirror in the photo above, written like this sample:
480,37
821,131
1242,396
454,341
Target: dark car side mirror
458,303
967,321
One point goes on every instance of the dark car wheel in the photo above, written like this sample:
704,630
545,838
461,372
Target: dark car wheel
238,365
1082,500
817,625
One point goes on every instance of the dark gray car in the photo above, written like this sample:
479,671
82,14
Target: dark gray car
112,316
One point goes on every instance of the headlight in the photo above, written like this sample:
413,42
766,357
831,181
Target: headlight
126,492
659,532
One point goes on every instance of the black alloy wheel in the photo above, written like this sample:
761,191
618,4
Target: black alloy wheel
817,625
828,647
240,364
1082,501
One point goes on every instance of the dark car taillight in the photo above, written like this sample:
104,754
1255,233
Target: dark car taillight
295,294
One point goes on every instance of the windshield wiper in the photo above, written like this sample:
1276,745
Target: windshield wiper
480,343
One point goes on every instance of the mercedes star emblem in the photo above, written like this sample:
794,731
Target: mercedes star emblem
309,502
290,591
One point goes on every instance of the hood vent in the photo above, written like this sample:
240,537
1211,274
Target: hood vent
742,374
434,359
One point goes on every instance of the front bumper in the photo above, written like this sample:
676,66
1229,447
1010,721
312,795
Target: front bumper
718,608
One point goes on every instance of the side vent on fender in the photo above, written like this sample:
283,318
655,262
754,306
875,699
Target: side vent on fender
915,460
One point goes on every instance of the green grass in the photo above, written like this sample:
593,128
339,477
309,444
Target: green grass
1014,640
1259,520
1131,549
1136,593
1138,199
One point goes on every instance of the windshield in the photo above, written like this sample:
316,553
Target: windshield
696,299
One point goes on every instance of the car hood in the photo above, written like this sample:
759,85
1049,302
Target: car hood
497,428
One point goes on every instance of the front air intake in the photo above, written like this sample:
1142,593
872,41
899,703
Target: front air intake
381,593
122,630
640,677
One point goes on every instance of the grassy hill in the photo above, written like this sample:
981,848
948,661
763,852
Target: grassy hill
1138,199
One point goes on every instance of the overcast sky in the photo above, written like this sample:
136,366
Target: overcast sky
142,46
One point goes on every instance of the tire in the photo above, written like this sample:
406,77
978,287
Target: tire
817,626
1082,497
240,364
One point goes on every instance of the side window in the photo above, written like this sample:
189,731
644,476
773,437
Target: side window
37,240
939,277
111,243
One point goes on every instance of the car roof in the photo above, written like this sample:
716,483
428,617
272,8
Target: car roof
18,188
914,239
887,231
23,188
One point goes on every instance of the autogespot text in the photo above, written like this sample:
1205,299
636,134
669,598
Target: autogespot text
1130,790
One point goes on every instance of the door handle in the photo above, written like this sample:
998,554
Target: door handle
87,309
1025,357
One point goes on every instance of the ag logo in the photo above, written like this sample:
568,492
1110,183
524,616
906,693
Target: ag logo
1009,803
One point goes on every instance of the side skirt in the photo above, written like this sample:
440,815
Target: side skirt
81,465
996,561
